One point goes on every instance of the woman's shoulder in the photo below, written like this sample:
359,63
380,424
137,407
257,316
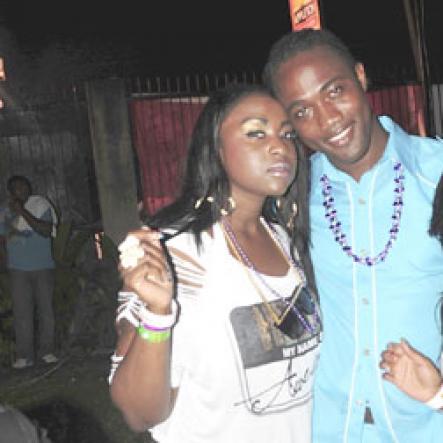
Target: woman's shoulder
185,242
190,258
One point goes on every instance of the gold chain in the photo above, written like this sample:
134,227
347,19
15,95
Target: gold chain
278,319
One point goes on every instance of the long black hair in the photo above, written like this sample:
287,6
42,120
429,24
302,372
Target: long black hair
205,176
436,227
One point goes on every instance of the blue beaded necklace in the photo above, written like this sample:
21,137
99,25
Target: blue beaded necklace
335,224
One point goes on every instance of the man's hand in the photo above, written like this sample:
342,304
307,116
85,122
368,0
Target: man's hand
16,206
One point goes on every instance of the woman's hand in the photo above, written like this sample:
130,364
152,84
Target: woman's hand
145,271
410,371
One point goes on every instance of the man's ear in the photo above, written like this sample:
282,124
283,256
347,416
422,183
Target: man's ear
361,75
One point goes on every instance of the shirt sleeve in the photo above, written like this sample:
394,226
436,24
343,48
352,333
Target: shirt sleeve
190,273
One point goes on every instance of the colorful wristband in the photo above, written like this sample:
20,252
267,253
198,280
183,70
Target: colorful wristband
153,328
158,321
436,402
153,336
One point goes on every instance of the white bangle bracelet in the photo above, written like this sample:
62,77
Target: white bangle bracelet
156,320
436,402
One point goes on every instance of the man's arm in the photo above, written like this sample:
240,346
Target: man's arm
42,227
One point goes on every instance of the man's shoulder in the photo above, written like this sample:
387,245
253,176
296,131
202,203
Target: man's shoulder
423,156
38,199
427,155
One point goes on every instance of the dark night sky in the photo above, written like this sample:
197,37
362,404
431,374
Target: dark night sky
178,37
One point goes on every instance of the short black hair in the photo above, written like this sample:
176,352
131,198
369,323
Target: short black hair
15,179
296,42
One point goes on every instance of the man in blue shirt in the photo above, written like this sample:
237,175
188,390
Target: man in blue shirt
27,224
379,274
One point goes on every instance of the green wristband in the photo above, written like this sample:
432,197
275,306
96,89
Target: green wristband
153,336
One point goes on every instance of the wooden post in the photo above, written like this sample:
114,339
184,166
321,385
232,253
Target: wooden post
411,8
113,156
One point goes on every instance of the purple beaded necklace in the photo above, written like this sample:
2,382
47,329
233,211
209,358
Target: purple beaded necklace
242,254
335,225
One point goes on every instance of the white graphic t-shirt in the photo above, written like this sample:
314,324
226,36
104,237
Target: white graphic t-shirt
239,379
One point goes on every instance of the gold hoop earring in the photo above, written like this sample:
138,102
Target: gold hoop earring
230,209
294,213
199,202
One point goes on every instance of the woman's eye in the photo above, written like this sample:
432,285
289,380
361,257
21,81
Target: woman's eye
255,134
299,113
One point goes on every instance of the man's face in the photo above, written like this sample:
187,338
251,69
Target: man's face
20,190
326,103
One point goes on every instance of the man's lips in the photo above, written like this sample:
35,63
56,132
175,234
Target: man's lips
342,137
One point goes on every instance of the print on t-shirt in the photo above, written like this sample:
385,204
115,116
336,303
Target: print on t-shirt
258,343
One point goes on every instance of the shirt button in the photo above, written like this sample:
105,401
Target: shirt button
361,201
367,352
359,403
365,301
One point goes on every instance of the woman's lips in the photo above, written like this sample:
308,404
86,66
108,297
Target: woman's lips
280,169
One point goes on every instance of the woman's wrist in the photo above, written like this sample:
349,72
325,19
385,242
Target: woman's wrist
137,312
159,319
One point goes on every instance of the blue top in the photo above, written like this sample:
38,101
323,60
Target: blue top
366,307
26,249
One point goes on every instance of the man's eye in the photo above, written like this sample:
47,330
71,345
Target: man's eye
255,134
335,91
290,135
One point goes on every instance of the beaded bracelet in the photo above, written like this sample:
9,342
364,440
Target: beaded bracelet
156,320
436,402
153,336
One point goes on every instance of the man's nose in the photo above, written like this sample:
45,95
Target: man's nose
328,115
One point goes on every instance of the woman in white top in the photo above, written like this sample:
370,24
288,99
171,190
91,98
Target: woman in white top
404,366
219,325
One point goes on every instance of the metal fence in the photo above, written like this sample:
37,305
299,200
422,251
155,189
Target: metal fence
49,140
163,112
49,143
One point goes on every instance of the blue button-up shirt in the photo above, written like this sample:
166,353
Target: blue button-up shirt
366,307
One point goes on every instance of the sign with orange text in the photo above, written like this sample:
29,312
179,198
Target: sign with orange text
304,14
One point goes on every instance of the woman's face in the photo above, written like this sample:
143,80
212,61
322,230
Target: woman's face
257,148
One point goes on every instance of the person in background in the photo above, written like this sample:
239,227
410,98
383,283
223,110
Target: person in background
16,427
404,366
378,272
27,224
235,361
